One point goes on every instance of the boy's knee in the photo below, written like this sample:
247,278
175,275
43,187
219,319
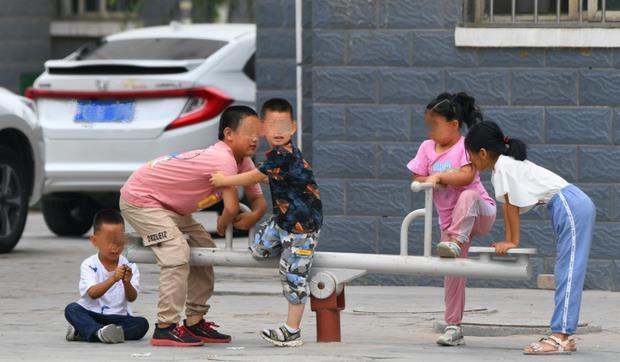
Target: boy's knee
295,295
294,288
267,241
264,248
72,308
143,326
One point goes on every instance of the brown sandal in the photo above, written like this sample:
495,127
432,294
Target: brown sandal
550,345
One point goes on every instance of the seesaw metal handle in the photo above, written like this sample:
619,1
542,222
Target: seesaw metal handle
420,186
427,212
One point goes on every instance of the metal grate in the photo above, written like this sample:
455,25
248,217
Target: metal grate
542,13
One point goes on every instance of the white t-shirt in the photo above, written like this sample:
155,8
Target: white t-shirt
113,301
525,183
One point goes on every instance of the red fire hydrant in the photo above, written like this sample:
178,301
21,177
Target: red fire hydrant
328,315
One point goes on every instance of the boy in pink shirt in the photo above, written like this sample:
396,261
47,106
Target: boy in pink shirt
158,200
464,207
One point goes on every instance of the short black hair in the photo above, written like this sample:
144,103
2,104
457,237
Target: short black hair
232,116
277,105
107,216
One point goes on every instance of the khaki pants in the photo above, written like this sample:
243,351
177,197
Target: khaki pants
179,283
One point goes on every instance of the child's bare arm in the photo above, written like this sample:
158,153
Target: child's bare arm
512,220
100,289
249,178
461,177
231,209
419,178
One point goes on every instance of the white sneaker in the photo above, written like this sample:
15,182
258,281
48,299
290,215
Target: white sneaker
72,334
111,334
281,337
448,249
452,336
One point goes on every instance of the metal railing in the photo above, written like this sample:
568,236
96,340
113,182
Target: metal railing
526,13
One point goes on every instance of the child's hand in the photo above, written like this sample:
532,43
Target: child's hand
503,246
217,179
119,273
434,179
128,274
244,221
221,228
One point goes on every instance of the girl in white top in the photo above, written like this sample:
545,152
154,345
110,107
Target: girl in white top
520,185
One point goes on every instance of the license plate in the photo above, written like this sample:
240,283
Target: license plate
99,111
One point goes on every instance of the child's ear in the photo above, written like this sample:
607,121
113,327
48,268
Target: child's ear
483,153
228,133
93,240
293,127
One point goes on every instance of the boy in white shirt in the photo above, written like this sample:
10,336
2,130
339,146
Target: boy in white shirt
108,283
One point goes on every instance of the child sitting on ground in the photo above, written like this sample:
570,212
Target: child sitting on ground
108,283
293,231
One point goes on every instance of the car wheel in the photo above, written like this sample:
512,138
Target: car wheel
13,200
68,214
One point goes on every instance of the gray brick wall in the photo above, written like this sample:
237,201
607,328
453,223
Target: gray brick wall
374,64
25,42
24,39
275,59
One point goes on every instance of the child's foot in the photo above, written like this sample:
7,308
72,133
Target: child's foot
282,337
205,331
551,345
452,336
448,249
72,335
111,334
174,336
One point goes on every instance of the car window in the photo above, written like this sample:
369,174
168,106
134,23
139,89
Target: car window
249,69
152,49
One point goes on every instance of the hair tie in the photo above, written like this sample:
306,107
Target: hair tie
506,140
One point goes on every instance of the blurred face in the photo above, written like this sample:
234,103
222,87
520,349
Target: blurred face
244,140
481,160
278,128
441,130
110,239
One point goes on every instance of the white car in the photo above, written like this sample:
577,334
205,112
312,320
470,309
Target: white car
21,165
137,95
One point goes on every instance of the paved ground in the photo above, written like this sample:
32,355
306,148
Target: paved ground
380,323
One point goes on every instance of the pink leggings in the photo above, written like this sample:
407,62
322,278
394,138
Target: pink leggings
472,216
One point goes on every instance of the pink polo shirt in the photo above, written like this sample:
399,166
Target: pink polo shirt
427,162
181,182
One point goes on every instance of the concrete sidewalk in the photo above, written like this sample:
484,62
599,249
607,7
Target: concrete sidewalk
380,323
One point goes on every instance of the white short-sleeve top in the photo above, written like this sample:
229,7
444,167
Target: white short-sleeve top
525,183
114,301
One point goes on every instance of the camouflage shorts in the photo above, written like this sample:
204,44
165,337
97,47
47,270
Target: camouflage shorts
295,251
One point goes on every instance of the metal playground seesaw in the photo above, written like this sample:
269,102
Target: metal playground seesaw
332,270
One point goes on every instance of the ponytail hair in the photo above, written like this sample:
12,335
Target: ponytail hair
489,136
459,106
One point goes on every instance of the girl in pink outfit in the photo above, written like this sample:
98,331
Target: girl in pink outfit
465,209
